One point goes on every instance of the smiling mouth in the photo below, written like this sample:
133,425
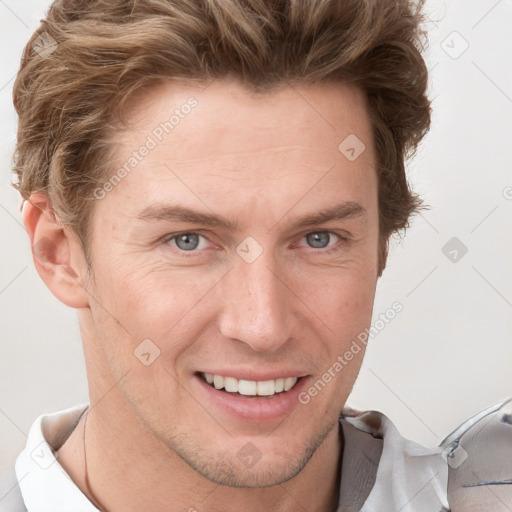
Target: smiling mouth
253,388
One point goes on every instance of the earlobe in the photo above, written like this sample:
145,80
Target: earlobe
57,255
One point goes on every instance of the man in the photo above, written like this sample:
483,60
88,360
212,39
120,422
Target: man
212,186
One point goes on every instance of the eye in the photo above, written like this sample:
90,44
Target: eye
325,243
318,240
187,241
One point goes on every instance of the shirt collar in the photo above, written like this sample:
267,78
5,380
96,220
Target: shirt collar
44,484
380,470
409,477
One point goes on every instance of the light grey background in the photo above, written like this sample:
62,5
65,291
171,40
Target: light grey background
446,356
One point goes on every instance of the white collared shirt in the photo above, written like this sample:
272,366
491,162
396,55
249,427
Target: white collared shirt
44,484
381,471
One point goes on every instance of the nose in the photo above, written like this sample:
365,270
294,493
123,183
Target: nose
256,306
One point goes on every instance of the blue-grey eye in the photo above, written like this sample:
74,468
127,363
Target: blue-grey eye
318,240
187,241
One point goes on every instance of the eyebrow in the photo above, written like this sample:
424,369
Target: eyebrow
342,211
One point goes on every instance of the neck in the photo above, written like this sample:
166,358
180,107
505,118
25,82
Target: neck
120,454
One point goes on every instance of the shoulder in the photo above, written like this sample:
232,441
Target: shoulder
403,474
470,471
479,458
42,481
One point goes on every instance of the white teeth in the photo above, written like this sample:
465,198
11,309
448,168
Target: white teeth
289,383
218,381
231,384
250,387
247,387
266,388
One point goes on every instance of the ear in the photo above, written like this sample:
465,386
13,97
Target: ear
58,256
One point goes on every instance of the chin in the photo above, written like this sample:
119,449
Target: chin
248,466
267,472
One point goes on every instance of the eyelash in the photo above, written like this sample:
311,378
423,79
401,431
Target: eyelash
335,248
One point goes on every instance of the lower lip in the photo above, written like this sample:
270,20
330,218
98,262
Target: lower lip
253,409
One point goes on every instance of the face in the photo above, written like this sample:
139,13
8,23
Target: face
242,243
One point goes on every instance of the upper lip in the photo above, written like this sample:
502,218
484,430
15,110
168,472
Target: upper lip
256,376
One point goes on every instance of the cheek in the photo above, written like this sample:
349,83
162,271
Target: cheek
152,300
345,307
343,303
342,297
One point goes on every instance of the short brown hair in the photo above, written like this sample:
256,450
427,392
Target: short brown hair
96,53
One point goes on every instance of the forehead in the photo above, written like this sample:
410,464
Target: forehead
226,106
204,143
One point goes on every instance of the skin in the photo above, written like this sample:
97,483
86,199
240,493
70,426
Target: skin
265,161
